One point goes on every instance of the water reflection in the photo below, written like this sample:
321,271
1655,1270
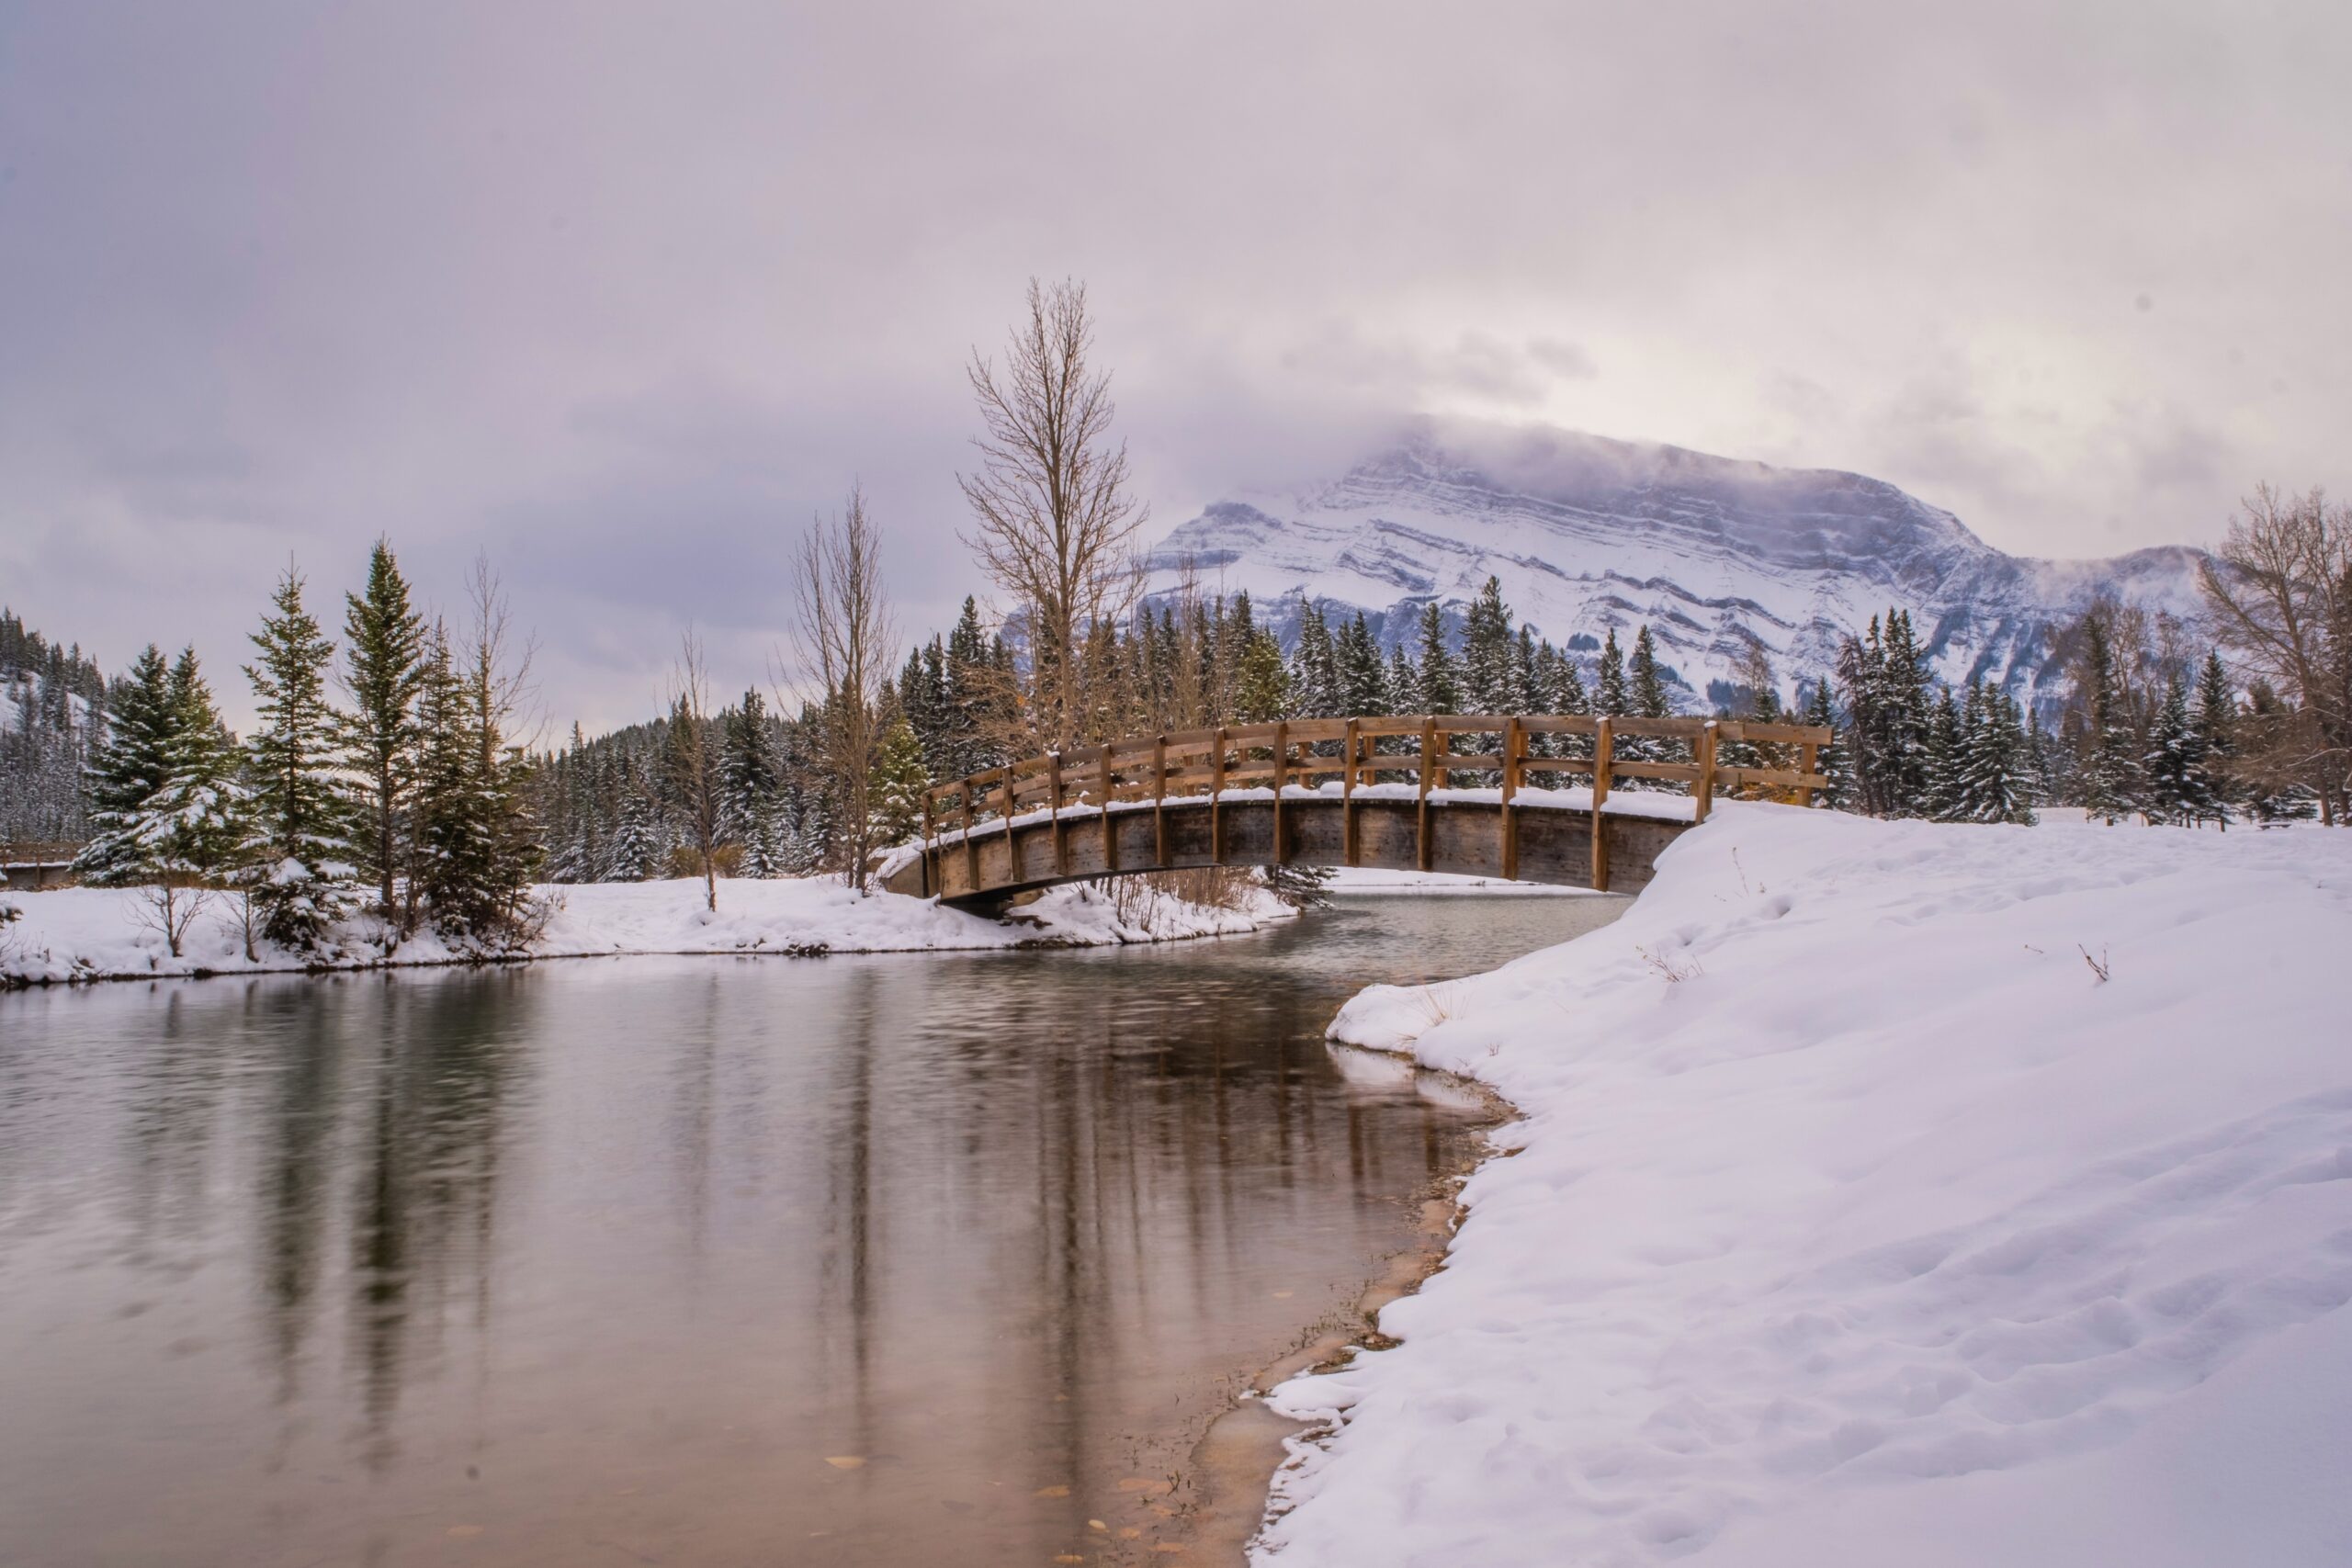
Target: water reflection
862,1262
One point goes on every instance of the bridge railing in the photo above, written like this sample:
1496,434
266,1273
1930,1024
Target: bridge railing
1427,749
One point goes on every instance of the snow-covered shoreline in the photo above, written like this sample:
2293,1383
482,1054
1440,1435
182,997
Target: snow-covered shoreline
72,935
1882,1193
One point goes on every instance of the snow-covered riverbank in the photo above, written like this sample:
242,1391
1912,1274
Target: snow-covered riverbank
1885,1193
88,933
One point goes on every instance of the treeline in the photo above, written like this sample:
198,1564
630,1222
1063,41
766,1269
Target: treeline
51,701
409,798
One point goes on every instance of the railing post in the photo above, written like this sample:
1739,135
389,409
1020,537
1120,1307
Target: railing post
1216,799
1808,763
1514,737
1102,804
1282,764
1011,850
1604,747
1159,798
971,844
929,848
1348,794
1053,809
1705,790
1421,849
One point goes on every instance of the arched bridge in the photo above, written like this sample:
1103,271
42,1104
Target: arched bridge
1527,797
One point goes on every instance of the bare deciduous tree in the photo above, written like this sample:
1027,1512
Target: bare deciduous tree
2281,598
846,642
693,759
1053,527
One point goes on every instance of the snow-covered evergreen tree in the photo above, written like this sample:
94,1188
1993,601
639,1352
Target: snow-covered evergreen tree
383,674
895,795
2111,782
299,809
128,768
1440,672
2173,768
2215,724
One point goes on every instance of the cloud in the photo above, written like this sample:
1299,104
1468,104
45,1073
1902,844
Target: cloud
626,296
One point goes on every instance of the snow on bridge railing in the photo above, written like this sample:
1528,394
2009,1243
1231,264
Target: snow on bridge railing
1427,749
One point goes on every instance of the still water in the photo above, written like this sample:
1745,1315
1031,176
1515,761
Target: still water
692,1262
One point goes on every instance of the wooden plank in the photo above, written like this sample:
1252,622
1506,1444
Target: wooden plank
1771,778
1809,763
971,847
1559,723
1785,734
1604,747
1704,794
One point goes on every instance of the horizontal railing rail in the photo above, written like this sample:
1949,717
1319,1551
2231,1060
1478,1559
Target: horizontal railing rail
1434,752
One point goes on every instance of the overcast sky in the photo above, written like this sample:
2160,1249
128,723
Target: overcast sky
623,293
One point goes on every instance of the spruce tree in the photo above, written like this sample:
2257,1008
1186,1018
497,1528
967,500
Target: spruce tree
1649,694
1262,691
1404,683
2110,776
750,788
130,766
383,674
298,803
2215,724
195,831
1609,698
2173,767
1441,676
897,789
1831,760
639,845
1942,800
1314,679
1487,664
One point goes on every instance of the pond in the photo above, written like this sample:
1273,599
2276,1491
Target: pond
886,1260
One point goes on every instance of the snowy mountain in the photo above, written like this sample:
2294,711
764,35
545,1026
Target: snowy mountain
1586,534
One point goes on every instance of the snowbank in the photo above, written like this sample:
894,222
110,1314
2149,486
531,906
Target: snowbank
1857,1218
89,933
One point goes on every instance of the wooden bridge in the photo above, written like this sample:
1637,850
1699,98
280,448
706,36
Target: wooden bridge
1350,792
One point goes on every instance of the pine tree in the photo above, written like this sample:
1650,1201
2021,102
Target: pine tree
1996,773
1441,674
1941,801
639,843
1649,694
1831,761
1906,718
2215,724
298,803
1487,685
1363,679
1314,679
2110,779
898,790
384,674
1262,692
1610,698
193,830
2173,768
1404,683
747,786
130,766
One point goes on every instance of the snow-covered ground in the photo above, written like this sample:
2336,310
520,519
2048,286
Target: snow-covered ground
1884,1195
99,933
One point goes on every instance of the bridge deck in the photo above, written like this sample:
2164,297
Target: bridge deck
1328,792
